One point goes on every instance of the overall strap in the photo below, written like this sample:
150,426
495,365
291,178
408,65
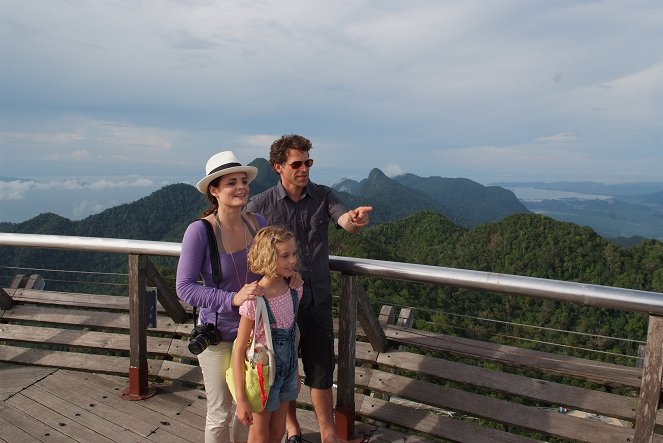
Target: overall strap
270,314
295,301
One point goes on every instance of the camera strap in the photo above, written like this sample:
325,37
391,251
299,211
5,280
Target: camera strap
216,264
213,253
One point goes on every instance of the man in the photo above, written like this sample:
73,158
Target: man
306,209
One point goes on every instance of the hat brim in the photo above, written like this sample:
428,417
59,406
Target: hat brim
251,174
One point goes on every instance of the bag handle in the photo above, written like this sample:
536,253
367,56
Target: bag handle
261,316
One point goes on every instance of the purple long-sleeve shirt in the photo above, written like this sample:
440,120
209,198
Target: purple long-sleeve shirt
195,262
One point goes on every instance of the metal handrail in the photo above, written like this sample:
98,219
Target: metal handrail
91,244
581,293
587,294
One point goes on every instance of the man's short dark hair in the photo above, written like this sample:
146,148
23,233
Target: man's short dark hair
278,153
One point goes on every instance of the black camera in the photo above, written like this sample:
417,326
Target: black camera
202,336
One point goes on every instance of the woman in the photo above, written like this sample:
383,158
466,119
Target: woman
226,185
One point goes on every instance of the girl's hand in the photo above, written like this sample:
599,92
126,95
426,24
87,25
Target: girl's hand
296,280
243,413
248,292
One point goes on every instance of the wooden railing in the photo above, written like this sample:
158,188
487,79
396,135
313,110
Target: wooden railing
389,355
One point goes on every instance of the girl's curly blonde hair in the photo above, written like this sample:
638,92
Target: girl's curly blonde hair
263,256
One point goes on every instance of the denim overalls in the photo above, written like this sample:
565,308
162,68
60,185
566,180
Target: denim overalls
284,387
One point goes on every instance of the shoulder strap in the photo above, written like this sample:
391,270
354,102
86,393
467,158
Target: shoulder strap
214,257
251,223
270,314
295,303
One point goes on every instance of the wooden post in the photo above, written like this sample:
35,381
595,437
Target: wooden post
17,281
6,302
35,281
369,321
138,371
650,389
387,315
347,336
167,299
405,318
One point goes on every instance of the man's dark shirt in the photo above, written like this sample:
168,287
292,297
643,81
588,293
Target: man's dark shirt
308,219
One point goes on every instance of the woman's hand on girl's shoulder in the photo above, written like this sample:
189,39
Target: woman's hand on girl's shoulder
248,292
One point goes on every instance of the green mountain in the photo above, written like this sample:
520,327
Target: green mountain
521,244
266,177
463,201
468,202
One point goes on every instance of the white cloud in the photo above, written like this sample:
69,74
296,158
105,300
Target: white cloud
393,170
145,87
14,190
73,155
557,138
19,189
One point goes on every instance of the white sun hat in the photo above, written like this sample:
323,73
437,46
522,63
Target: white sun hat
223,163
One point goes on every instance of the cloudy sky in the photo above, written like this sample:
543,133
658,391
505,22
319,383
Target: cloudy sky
131,94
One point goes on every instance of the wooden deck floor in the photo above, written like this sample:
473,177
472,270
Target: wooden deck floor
61,405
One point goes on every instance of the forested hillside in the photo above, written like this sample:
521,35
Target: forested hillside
522,244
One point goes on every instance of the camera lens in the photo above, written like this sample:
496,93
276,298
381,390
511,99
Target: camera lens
198,344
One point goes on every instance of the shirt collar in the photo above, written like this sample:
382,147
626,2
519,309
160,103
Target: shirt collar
282,193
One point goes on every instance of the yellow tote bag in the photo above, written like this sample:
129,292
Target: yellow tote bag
259,364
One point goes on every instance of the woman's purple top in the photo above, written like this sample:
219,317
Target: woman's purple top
195,262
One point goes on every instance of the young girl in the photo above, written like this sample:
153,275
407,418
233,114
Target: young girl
273,254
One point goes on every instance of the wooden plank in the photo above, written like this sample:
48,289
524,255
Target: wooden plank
61,359
378,434
72,299
161,435
9,432
81,317
136,409
436,425
496,410
17,281
171,370
87,418
597,402
81,300
18,377
34,428
55,420
78,338
120,413
173,400
600,372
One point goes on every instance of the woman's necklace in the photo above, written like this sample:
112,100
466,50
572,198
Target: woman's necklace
228,250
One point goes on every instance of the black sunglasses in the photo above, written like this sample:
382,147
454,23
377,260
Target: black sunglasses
298,164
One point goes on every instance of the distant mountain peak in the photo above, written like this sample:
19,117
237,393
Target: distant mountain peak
376,173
